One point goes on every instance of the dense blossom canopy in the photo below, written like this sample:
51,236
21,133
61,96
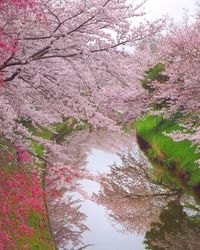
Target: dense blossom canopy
64,59
67,59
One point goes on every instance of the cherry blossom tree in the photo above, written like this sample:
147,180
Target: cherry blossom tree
9,9
62,60
178,92
69,61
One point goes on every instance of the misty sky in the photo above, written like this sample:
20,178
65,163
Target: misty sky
174,8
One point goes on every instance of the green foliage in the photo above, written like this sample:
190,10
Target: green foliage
55,132
68,127
155,73
42,238
174,225
39,149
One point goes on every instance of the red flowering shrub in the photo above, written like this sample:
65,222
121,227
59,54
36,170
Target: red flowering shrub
22,155
20,194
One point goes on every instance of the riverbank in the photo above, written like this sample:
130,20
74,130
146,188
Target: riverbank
24,217
24,220
174,162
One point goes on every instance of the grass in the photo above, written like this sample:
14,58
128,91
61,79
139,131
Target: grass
179,157
55,132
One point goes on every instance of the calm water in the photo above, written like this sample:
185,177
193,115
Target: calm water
115,207
103,235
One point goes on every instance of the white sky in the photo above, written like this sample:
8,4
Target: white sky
174,8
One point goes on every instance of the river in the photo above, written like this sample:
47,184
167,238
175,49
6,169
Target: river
109,202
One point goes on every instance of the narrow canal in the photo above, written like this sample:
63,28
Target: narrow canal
110,202
104,234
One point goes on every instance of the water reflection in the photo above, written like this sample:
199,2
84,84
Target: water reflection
96,204
132,198
67,222
104,235
65,181
175,229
